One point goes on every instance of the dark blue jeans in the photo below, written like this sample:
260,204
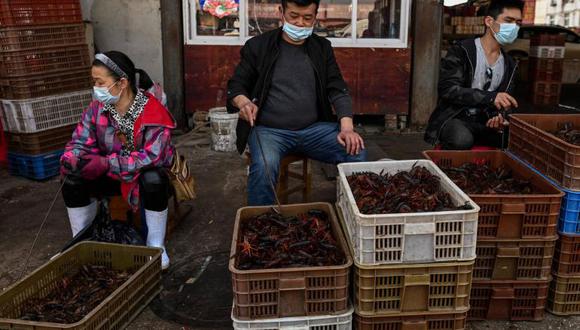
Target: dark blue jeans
317,142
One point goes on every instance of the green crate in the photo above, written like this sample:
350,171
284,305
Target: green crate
115,312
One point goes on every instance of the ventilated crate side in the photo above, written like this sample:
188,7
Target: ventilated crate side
567,256
514,216
508,300
564,295
456,321
327,322
407,237
531,141
285,292
115,312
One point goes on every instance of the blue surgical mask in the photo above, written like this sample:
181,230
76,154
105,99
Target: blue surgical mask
297,33
507,34
104,95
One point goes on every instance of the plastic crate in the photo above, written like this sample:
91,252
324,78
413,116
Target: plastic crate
38,167
412,289
546,69
44,60
115,312
570,213
564,295
40,114
407,237
545,92
48,84
43,36
514,260
35,12
531,142
501,216
546,39
547,52
42,142
508,300
327,322
285,292
417,322
567,256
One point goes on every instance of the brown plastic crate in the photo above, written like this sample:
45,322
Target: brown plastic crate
43,36
44,60
41,142
284,292
45,84
514,260
531,142
545,39
567,256
35,12
546,69
115,312
456,321
564,295
412,289
509,216
545,99
508,300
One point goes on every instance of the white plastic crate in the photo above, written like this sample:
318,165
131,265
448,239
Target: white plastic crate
547,51
425,237
327,322
43,113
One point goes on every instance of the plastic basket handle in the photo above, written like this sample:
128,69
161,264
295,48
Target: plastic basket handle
419,228
515,208
503,293
511,252
292,284
294,327
417,280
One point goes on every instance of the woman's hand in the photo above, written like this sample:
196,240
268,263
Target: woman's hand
96,167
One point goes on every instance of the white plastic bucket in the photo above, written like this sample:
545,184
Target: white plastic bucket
223,129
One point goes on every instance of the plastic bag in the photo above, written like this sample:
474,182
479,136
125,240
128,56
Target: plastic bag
104,229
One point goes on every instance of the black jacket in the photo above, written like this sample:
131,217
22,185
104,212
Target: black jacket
455,93
253,76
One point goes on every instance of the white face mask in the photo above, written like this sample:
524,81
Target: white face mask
103,94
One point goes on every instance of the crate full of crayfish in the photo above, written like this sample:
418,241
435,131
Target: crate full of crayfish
291,262
516,203
91,286
549,143
405,212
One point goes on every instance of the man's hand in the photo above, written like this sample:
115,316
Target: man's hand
505,101
248,110
497,122
348,138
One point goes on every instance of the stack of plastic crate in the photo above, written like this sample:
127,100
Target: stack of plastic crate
533,142
45,81
411,270
516,236
546,68
308,298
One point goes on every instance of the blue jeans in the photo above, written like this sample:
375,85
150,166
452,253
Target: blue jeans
317,142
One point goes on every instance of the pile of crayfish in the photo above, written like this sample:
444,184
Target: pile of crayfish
567,133
475,178
417,190
272,240
75,296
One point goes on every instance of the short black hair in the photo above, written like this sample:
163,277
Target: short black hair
301,3
496,7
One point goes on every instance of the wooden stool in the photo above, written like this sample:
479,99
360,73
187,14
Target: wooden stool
283,188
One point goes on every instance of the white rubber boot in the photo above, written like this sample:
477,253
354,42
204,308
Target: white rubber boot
156,225
81,217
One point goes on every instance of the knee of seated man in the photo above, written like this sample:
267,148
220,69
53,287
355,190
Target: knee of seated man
459,142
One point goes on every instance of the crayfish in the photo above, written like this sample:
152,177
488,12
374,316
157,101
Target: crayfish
271,240
474,178
567,133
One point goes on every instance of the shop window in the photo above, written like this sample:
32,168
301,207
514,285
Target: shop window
372,23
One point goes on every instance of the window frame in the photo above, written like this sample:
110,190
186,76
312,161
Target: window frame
191,38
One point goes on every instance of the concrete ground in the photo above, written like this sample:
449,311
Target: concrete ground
197,290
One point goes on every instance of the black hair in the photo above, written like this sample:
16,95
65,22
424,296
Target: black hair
496,7
301,3
124,63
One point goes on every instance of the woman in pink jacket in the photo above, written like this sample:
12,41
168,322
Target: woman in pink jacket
121,146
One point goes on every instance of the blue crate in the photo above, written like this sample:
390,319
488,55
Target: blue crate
569,222
37,167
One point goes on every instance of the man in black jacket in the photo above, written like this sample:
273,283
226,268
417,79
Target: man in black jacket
476,84
284,88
